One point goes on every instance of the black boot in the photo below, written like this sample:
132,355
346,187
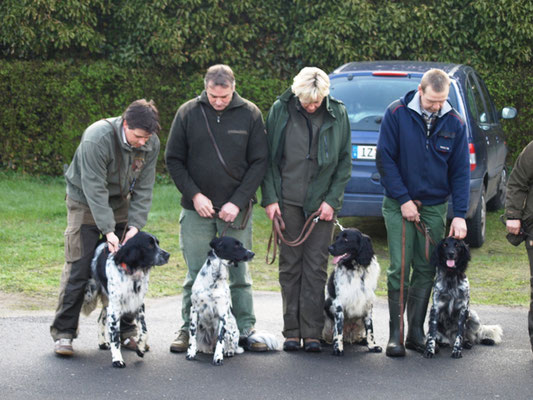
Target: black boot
395,347
417,305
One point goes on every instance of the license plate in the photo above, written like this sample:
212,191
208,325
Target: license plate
363,152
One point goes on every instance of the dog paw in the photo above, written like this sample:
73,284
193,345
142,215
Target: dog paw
104,346
428,354
218,362
119,364
375,349
190,358
338,353
456,354
139,353
229,354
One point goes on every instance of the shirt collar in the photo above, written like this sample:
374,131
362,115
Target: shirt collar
414,105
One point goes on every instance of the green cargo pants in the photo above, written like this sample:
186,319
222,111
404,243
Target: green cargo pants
434,217
195,234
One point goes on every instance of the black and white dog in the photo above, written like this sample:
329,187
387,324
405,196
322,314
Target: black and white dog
350,292
213,325
120,280
451,320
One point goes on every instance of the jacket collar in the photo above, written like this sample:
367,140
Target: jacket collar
412,101
119,130
288,95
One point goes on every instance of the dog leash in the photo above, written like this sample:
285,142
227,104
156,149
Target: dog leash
276,235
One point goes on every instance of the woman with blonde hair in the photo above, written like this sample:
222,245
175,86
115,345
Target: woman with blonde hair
308,134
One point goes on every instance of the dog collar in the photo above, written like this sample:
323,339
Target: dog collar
124,266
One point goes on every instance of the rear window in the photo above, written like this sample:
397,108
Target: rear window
367,97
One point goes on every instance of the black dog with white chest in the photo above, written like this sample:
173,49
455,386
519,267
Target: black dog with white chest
120,280
213,327
451,320
350,292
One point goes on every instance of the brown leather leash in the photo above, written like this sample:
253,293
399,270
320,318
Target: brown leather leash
424,230
276,235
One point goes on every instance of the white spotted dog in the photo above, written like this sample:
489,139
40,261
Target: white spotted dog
350,292
213,326
451,320
120,281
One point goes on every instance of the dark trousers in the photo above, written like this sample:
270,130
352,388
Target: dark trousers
529,247
303,275
81,238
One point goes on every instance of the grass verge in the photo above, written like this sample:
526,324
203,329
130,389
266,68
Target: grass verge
33,219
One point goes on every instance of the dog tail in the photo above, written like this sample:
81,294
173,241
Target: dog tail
264,337
490,334
90,301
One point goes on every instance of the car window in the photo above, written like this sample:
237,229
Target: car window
367,97
475,102
489,105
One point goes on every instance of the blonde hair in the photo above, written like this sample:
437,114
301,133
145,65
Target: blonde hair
310,85
437,79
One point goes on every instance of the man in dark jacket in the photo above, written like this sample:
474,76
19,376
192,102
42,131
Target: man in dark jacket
214,195
422,156
109,188
519,212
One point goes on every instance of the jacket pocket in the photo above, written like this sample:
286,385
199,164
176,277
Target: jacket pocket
73,247
444,141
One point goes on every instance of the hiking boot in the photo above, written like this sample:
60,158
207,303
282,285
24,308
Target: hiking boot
181,343
63,347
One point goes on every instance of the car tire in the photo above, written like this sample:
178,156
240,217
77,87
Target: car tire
476,225
498,201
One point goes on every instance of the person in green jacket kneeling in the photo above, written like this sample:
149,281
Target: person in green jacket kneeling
308,134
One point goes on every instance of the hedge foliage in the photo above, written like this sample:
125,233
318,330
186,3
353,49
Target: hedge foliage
66,63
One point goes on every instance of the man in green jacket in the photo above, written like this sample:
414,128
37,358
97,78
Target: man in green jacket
310,164
109,190
214,195
519,212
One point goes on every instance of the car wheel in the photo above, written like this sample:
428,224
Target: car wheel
477,224
498,201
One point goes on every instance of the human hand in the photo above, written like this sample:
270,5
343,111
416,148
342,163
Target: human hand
132,231
203,206
228,212
513,226
458,228
410,211
326,211
112,242
271,210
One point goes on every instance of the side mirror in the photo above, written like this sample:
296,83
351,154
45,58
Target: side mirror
508,113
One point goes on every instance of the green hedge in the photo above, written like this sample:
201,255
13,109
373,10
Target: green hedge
47,105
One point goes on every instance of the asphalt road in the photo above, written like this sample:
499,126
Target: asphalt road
30,370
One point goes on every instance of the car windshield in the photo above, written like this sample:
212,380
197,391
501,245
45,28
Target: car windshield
366,97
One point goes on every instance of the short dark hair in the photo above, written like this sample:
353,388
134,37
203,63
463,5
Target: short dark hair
142,114
219,75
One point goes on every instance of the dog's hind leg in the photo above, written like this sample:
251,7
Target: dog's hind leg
369,328
193,330
103,334
142,337
218,357
458,344
338,328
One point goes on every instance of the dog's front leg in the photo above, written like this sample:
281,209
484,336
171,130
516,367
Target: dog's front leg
142,338
369,327
432,332
458,344
338,327
193,328
103,333
219,349
113,327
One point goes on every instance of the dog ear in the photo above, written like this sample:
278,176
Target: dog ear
130,255
464,255
365,251
214,243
